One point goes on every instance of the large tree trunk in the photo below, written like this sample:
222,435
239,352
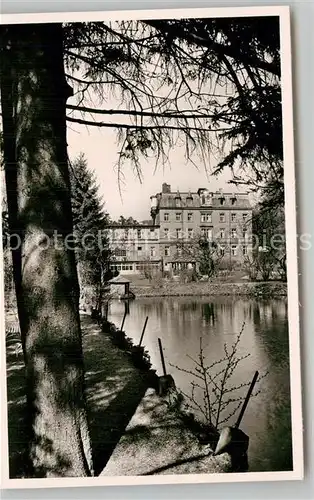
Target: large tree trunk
33,96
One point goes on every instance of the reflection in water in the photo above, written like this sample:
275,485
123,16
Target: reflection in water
181,321
208,313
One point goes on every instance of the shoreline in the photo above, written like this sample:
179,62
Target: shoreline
247,289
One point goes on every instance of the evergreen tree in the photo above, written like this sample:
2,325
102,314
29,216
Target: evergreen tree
89,224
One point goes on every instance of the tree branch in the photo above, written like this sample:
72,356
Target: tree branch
133,112
229,51
142,127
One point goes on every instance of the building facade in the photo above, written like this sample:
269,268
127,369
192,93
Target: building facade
135,248
179,219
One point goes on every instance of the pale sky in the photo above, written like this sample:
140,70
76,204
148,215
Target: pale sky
101,147
101,150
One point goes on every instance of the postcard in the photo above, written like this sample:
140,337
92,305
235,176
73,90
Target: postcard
149,278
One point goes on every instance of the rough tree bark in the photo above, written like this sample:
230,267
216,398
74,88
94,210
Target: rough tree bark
33,96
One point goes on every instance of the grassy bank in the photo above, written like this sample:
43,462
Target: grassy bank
248,289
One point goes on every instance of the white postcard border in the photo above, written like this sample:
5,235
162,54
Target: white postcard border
292,259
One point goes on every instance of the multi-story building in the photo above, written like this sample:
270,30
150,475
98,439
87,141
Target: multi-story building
179,219
134,247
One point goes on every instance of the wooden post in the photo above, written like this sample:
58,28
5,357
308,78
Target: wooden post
143,331
162,357
246,399
122,324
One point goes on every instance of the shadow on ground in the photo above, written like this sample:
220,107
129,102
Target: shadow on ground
132,430
17,413
157,442
114,389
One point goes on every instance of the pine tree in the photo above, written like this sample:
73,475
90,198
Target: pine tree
89,224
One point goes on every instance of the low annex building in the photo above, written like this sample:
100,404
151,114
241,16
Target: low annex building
178,221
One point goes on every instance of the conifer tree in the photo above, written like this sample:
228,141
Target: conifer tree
90,229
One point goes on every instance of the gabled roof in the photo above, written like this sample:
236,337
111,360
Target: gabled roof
119,280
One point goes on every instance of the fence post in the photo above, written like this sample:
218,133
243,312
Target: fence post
143,331
122,324
162,357
249,392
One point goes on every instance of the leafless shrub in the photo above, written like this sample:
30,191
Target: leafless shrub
221,397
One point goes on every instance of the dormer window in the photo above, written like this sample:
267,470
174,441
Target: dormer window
208,199
201,194
189,199
177,199
233,199
222,200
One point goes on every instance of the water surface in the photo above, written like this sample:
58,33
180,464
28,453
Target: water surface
181,322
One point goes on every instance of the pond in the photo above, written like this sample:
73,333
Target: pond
182,322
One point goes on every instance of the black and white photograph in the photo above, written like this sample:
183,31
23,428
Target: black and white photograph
149,275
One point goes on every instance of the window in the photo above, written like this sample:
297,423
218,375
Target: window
233,200
166,233
244,217
152,252
233,250
179,233
166,217
127,267
222,200
233,232
221,232
244,233
139,234
222,250
233,217
203,232
189,201
139,249
209,199
177,201
179,251
222,217
140,267
209,234
167,251
190,216
178,217
206,217
244,250
152,234
120,252
190,233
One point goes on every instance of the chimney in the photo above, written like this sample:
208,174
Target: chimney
166,188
